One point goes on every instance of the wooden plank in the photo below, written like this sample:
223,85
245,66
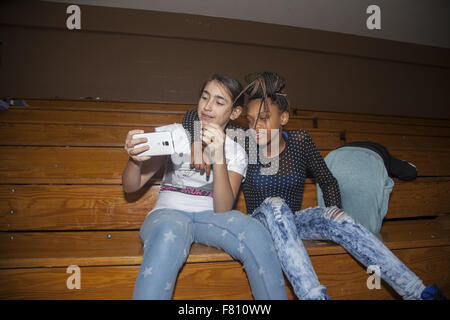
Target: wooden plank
65,135
365,117
86,207
218,281
221,280
342,275
87,248
396,235
301,123
181,108
136,119
123,107
57,165
51,283
105,165
70,248
326,140
417,233
346,279
422,197
73,207
110,136
106,207
62,165
108,106
428,163
397,141
82,117
105,136
382,127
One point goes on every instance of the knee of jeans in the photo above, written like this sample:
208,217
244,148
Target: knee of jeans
336,214
275,206
164,230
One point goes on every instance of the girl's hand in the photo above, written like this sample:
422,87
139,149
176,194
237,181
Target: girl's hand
130,143
198,161
214,138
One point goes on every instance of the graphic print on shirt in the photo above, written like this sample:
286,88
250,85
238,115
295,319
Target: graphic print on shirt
181,178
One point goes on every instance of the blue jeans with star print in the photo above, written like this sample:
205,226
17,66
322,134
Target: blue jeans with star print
168,234
329,223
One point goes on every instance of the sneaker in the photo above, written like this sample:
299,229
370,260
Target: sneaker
432,292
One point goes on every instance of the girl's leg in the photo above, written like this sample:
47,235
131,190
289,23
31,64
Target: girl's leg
331,223
167,237
248,241
279,220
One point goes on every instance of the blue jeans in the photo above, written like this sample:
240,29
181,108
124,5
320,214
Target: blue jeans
168,235
330,223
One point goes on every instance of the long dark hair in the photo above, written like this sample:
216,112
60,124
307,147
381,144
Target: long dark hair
266,85
233,86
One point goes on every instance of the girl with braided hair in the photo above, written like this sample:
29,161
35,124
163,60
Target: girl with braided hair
273,195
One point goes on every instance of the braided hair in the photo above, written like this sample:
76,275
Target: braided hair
266,85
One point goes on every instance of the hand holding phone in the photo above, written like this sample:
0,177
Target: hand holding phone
130,144
157,143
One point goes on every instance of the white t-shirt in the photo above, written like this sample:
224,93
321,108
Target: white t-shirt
183,188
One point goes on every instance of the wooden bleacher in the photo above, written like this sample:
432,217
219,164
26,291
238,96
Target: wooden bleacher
62,203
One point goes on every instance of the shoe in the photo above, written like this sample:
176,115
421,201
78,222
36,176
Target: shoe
432,292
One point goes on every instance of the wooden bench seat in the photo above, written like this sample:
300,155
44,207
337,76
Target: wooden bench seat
95,105
364,117
296,113
105,207
62,203
88,165
401,141
346,279
82,135
28,253
305,119
91,248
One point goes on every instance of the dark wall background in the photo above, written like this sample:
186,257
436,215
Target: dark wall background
134,55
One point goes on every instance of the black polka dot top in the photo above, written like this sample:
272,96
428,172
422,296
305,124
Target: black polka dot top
283,176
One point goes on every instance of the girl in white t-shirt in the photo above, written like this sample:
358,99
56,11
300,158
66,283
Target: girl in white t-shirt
193,208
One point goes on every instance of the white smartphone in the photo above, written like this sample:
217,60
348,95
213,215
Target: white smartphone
160,143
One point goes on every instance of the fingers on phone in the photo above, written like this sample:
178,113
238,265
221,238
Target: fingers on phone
136,151
132,133
135,142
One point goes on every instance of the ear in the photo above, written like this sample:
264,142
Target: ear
236,112
284,118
